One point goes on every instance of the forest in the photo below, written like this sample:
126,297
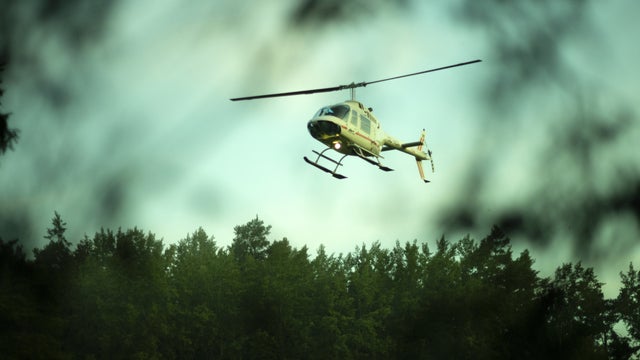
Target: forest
125,294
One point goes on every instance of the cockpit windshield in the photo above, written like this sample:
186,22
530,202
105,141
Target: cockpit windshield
339,111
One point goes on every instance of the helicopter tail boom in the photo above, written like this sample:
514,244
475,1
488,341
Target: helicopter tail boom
411,148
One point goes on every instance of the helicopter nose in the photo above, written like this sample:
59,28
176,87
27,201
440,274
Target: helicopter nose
322,129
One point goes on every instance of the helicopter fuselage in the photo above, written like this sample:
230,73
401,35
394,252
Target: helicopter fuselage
346,127
351,129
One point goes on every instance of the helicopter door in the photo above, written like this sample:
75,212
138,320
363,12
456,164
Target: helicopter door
353,122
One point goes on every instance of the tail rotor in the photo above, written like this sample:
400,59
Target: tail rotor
433,168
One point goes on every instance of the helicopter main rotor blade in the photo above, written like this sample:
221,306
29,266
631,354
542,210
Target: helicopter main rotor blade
350,86
423,72
291,93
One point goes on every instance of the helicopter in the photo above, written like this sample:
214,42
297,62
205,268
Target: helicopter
351,129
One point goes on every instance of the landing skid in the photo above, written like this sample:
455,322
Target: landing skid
321,155
360,153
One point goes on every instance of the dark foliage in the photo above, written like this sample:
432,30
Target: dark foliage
8,136
323,13
529,65
125,295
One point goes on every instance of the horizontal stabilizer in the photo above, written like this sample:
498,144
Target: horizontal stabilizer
402,147
412,144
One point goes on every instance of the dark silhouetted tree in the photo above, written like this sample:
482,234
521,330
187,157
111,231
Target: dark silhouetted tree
124,295
56,257
250,240
628,305
121,298
577,318
206,283
368,282
331,307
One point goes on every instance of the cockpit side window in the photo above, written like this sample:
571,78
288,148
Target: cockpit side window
339,111
354,118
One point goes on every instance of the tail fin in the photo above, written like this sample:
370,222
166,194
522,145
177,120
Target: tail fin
419,161
421,171
422,136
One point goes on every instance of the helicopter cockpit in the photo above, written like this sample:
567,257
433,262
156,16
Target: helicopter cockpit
339,111
322,129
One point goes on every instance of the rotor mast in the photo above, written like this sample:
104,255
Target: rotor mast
352,88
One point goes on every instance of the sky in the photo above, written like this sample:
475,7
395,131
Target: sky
125,120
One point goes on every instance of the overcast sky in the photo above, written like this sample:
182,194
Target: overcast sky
125,121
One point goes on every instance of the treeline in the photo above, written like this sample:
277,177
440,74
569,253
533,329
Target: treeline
124,294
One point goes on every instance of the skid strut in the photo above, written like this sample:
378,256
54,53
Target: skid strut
322,155
377,163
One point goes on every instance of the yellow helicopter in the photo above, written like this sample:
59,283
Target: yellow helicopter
350,128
